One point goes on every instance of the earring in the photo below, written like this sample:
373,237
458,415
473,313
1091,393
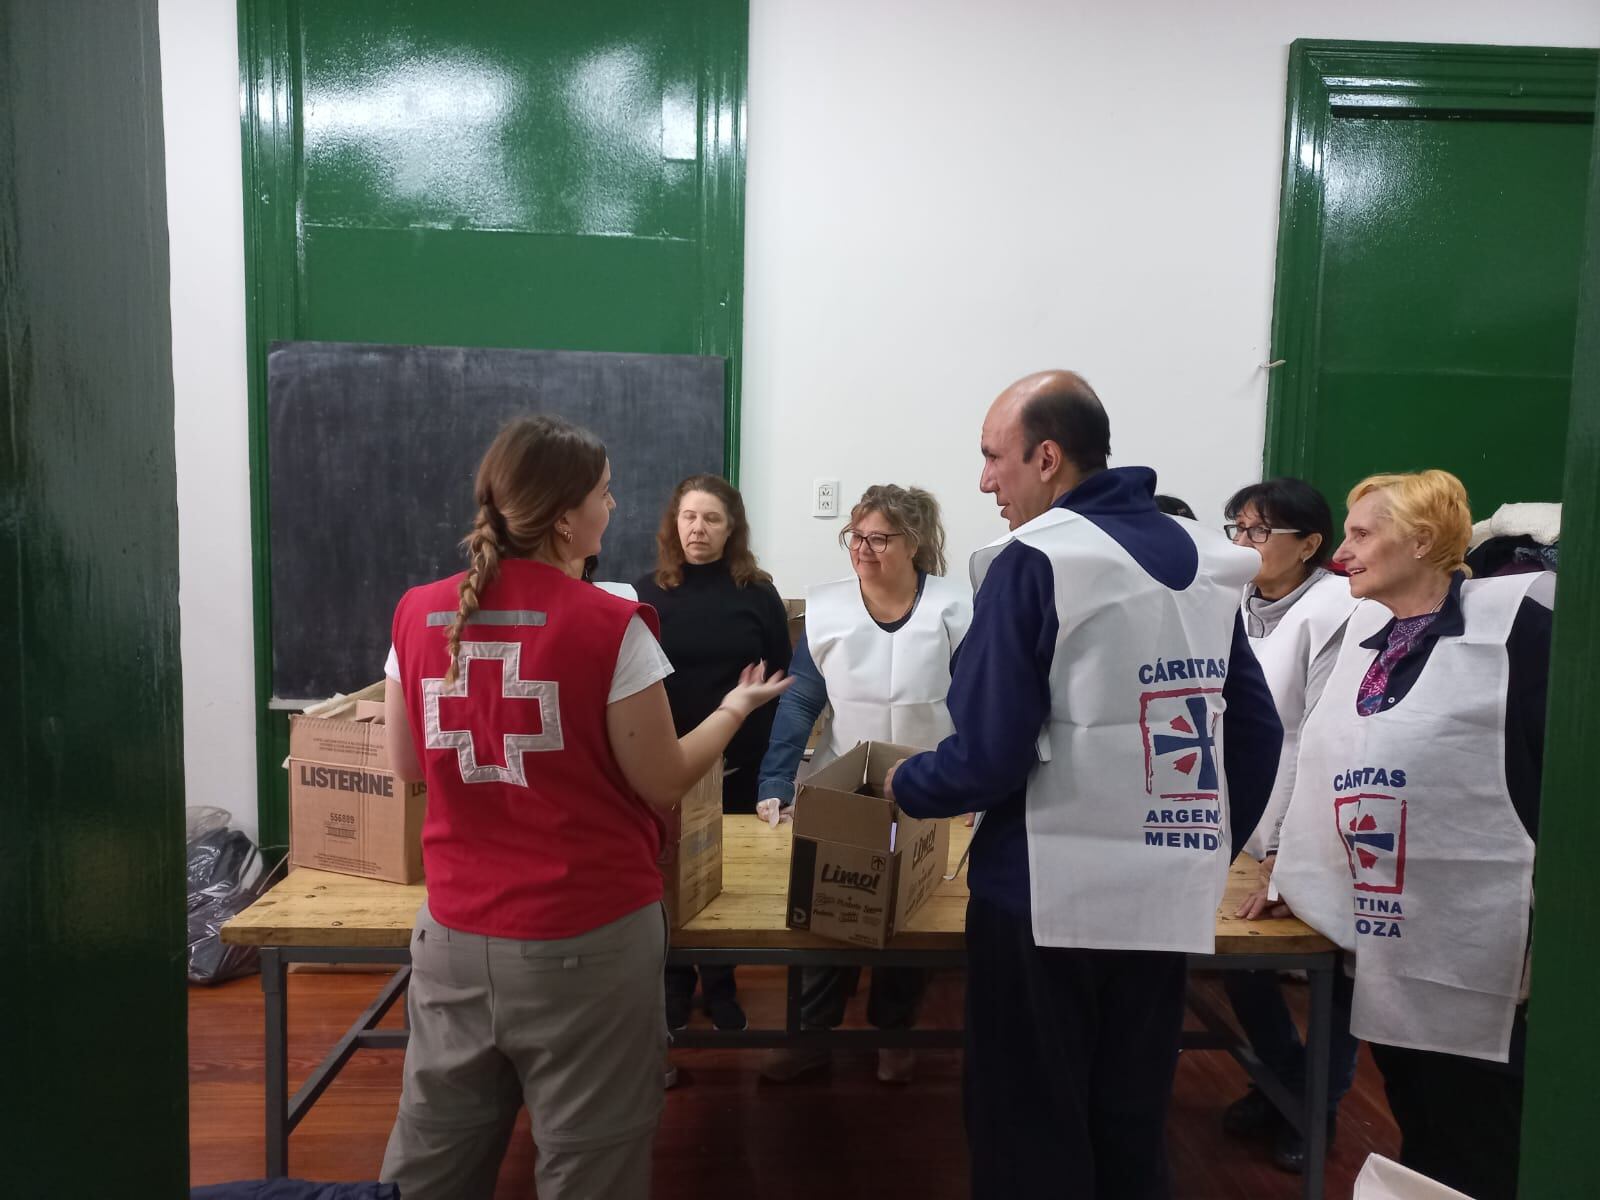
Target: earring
566,535
1416,556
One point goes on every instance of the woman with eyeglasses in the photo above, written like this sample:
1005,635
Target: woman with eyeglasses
1294,613
877,649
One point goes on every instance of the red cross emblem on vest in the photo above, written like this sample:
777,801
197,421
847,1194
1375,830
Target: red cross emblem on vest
470,713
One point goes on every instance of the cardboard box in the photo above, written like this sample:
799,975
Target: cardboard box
347,811
795,611
371,710
691,850
860,867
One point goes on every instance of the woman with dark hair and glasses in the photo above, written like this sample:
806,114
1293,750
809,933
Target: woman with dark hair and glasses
877,649
1294,613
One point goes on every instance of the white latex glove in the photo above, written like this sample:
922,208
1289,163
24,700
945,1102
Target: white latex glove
773,811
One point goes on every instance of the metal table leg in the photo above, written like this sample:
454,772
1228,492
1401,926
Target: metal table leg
791,1005
276,1003
1314,1119
1307,1112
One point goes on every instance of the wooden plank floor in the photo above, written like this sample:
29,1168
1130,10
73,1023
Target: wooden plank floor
725,1132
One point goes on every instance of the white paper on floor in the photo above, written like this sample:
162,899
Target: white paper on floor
1384,1179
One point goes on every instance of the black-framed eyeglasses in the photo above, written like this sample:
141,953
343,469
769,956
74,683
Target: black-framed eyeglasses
1255,533
879,542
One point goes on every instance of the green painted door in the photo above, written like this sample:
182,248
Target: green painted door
547,175
91,720
1561,1108
1433,275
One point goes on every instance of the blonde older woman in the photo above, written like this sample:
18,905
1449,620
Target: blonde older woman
1410,836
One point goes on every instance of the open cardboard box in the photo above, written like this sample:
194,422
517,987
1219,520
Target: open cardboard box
859,867
348,812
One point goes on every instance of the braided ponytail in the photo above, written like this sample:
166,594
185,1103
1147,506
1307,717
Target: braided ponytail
483,554
537,469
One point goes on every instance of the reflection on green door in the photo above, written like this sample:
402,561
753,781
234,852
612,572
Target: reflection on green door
546,175
1429,240
1449,300
500,174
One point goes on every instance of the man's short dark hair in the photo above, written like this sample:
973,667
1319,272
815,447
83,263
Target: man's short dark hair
1070,415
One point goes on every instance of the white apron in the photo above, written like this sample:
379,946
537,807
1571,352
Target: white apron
1127,810
1286,655
886,687
1401,842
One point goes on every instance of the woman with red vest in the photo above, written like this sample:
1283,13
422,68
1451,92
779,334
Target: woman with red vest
532,704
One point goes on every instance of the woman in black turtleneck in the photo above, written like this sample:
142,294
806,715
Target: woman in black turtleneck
719,613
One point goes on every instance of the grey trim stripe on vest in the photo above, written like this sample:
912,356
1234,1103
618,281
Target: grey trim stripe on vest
492,616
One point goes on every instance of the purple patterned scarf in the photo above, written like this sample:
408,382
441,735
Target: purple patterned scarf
1407,631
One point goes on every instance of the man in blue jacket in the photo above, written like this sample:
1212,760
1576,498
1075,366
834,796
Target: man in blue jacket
1088,700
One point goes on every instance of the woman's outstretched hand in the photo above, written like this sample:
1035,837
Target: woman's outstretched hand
755,688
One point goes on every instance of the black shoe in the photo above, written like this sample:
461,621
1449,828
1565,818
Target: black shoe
678,1007
1289,1148
1251,1115
725,1013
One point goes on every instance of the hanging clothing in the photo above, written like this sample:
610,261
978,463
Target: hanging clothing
1403,843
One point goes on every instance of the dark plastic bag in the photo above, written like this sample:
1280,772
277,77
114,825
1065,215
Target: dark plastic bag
224,878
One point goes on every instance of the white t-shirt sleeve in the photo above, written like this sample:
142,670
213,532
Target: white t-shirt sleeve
640,662
391,665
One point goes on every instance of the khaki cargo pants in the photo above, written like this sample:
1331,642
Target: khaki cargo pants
573,1029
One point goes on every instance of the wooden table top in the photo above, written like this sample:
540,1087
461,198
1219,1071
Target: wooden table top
318,908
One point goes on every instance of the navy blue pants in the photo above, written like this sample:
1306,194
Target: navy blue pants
1460,1118
1257,998
1069,1064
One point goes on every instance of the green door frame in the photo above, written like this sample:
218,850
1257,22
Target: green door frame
1562,1105
1561,1108
1341,78
92,862
269,82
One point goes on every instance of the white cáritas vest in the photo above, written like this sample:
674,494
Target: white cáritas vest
1286,655
1127,810
1401,842
885,687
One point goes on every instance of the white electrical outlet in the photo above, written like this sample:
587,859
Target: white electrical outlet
825,498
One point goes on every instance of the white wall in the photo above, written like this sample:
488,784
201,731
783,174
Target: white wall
942,196
205,219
